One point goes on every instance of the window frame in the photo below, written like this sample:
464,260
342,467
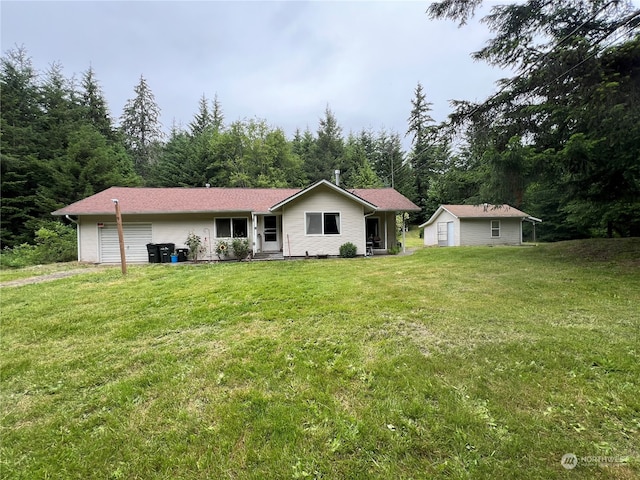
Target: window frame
231,227
323,220
494,229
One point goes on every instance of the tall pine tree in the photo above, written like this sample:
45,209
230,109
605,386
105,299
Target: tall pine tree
140,125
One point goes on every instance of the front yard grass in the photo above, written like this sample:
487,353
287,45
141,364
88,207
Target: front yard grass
448,363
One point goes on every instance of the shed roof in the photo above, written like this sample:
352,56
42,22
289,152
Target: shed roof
485,210
135,200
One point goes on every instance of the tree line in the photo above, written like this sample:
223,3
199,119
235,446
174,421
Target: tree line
559,140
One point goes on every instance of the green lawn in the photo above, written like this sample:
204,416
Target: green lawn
448,363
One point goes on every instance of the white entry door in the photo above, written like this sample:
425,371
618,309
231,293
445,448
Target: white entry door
136,237
270,235
450,239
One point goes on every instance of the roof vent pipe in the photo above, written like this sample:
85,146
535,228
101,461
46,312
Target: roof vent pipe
337,173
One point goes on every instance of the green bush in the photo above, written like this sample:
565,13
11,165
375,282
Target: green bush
54,242
19,256
348,250
240,248
394,250
194,242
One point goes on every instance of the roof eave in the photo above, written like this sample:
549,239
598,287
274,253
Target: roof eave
434,216
336,188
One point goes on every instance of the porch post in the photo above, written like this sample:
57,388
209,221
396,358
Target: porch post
386,230
254,220
404,236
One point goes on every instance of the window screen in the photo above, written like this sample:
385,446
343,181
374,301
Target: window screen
314,223
331,223
239,227
223,227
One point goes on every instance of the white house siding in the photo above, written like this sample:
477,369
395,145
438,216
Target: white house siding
431,230
478,231
165,229
352,227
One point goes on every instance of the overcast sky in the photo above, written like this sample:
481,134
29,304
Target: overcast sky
279,61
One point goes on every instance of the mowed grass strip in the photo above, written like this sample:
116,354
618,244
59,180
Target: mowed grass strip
448,363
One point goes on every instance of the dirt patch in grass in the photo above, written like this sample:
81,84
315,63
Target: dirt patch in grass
48,277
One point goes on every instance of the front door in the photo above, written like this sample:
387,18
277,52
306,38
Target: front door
373,232
270,240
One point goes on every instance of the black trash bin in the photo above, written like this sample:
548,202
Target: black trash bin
166,249
154,253
182,254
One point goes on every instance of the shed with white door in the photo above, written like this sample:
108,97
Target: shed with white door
486,224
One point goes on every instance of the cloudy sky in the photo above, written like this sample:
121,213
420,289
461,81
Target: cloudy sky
279,61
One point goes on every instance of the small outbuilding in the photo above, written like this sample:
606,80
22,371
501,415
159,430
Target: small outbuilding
486,224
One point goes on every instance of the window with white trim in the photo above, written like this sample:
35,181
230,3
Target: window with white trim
322,223
231,228
495,228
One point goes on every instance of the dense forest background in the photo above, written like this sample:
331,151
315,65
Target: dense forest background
559,140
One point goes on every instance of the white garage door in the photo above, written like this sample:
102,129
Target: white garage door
136,237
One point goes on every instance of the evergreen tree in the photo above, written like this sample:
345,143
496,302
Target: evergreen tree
174,167
203,120
425,154
356,170
140,125
574,103
217,115
303,145
62,113
419,120
96,111
328,149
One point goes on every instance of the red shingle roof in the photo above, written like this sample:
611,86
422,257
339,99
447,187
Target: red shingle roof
386,199
199,200
480,211
178,200
484,211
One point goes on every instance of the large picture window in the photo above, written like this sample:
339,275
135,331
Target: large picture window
231,228
322,223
